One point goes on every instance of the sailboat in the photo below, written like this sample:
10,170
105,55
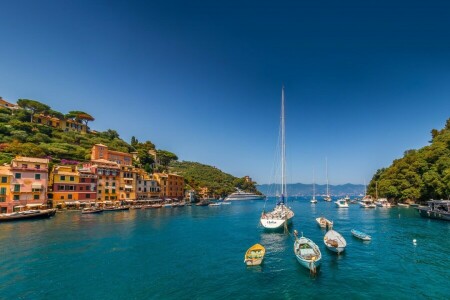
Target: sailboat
281,215
313,200
327,197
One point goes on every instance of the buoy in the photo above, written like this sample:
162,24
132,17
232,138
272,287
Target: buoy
414,241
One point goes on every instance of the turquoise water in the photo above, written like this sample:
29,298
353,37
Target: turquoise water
197,253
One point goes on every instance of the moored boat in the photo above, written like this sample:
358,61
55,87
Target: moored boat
91,210
254,255
334,241
383,202
341,203
436,209
324,222
117,208
367,203
361,235
28,215
307,252
214,204
241,195
202,203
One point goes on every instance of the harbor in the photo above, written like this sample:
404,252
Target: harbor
136,254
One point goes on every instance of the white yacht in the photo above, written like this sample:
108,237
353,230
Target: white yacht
367,203
281,215
241,195
341,203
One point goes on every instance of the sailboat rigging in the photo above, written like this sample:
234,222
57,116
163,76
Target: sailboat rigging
281,215
327,197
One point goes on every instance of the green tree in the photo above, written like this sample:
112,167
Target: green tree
33,106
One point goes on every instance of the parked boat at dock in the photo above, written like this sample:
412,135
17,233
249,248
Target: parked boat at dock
28,215
117,208
91,210
383,202
436,209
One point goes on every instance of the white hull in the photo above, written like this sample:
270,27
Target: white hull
274,223
341,204
336,250
334,241
233,198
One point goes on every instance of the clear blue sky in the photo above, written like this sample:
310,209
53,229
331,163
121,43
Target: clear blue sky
365,80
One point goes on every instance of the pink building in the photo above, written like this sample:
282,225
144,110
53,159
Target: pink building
29,182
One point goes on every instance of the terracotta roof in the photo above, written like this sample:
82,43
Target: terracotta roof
31,159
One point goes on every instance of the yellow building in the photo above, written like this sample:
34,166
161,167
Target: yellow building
6,203
147,187
65,125
127,185
171,185
204,193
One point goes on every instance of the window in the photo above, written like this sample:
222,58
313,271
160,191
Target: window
88,195
17,188
60,188
106,191
72,178
69,196
37,176
62,177
62,197
24,166
113,191
4,179
18,175
71,188
3,191
128,195
82,179
38,167
36,197
16,197
106,198
81,188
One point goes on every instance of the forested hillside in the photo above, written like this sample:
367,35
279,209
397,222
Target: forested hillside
219,183
421,175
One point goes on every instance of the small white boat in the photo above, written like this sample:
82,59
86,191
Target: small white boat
367,203
334,241
214,204
225,203
307,252
361,235
383,202
347,198
313,201
324,223
402,204
341,203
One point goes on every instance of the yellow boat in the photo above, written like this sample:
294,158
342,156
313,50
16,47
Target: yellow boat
254,255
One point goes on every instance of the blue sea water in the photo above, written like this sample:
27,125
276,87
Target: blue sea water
197,253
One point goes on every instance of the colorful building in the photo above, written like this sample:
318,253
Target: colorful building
6,104
127,186
29,182
100,151
147,187
65,125
108,179
70,185
6,203
171,185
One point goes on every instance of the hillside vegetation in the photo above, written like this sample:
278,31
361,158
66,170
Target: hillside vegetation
420,175
218,183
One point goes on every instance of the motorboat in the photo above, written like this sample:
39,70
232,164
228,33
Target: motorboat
436,209
367,203
91,210
383,202
341,203
324,223
27,215
241,195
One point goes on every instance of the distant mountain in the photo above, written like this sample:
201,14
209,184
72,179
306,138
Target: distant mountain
301,189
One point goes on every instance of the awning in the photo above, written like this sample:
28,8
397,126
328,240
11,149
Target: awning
19,206
33,205
128,186
127,200
36,185
108,202
71,202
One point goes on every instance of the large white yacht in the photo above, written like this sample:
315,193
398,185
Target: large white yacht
241,195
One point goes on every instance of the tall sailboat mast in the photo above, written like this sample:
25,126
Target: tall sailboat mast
326,170
283,151
314,185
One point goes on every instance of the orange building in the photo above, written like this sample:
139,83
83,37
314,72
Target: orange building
108,181
146,187
100,151
171,185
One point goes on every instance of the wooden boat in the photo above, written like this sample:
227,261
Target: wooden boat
91,210
307,252
323,222
118,208
334,241
28,215
254,255
361,235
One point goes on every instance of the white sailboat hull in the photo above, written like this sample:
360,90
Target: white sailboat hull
274,223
